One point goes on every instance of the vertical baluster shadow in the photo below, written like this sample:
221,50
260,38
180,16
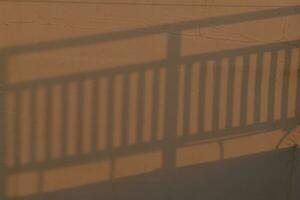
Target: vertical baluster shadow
64,119
140,107
155,106
33,125
272,83
230,86
79,131
216,96
187,99
258,81
95,114
245,81
125,111
202,88
17,142
110,121
48,122
285,87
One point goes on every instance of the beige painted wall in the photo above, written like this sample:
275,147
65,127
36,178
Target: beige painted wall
27,23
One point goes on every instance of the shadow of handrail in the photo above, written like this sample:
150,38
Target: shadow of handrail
173,28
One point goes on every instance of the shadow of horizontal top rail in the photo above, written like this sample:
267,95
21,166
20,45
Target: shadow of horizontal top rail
173,28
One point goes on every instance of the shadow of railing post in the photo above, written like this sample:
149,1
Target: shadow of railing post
2,124
173,54
298,96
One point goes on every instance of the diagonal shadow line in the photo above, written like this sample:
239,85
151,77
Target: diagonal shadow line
173,28
153,64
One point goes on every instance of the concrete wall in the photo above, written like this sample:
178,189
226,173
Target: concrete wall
64,45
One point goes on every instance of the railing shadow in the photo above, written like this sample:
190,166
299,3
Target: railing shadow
158,106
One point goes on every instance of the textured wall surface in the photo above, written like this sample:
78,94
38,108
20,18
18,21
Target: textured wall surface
161,99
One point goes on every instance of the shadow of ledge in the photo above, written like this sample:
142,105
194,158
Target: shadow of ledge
264,176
